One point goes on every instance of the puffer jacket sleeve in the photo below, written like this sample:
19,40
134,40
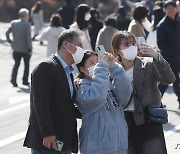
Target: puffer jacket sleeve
121,84
91,96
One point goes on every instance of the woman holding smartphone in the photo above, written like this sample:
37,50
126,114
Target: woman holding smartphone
145,74
104,90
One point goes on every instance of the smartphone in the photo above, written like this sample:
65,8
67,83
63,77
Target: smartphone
140,41
59,145
101,50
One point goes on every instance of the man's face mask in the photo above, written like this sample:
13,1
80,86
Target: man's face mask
130,53
78,55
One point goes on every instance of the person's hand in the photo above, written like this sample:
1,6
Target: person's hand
148,50
110,59
77,83
50,142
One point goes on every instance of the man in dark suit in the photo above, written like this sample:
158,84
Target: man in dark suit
168,40
21,44
53,115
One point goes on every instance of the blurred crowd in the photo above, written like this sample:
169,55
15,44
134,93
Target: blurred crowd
139,18
155,23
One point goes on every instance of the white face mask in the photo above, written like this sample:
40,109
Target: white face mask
147,25
78,55
130,53
87,16
91,70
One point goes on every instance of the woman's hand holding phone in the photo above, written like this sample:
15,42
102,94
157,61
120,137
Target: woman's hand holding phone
105,56
110,58
148,50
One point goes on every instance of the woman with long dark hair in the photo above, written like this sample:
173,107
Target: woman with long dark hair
82,23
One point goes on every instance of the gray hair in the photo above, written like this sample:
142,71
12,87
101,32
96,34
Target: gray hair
68,35
23,12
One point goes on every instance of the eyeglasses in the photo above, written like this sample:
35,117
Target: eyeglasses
80,45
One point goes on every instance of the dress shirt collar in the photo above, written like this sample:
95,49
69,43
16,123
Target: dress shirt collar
64,64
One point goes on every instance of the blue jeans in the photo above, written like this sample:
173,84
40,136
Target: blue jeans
33,151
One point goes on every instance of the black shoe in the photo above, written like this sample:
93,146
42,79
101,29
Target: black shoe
14,84
26,83
41,43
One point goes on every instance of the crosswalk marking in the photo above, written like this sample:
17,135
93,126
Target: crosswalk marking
21,135
18,99
172,131
14,108
12,139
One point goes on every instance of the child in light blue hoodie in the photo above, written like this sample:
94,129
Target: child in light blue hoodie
104,91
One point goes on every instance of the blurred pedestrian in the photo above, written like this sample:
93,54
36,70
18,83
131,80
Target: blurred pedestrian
67,13
145,74
158,14
139,22
105,34
51,34
52,122
37,18
21,45
168,40
178,6
82,23
101,99
122,18
96,25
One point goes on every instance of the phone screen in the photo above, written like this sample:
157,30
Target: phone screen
140,41
59,145
101,50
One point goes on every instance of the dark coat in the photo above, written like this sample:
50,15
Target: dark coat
52,108
168,40
96,25
67,14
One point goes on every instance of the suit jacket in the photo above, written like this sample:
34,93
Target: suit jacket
21,32
146,76
52,108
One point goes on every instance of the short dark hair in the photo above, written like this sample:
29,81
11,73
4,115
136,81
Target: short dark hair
87,54
111,21
67,35
94,12
169,3
159,3
122,11
140,12
55,20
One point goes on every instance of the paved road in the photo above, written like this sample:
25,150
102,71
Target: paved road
14,104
